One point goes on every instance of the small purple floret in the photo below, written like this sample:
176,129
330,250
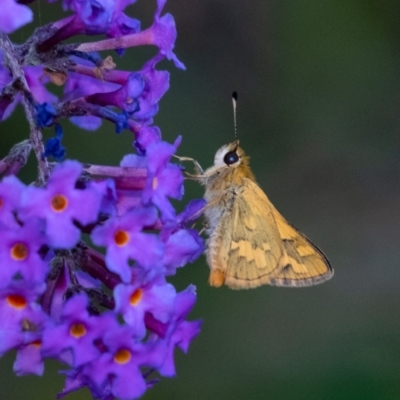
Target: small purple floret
60,203
125,241
13,16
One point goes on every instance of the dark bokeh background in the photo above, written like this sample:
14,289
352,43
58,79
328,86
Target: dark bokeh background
319,102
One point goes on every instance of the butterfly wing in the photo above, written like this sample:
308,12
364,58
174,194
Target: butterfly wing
303,264
253,245
245,247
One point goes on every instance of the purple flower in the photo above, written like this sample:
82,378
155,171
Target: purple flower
88,122
144,136
94,14
164,36
125,241
122,361
134,301
125,97
10,195
59,204
19,249
122,25
78,86
37,80
54,296
138,96
29,359
128,193
122,195
157,83
22,319
13,16
102,16
192,212
164,179
180,332
182,247
75,380
73,337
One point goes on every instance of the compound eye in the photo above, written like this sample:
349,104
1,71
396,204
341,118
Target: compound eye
231,158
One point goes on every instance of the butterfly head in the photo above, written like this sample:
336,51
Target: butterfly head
231,157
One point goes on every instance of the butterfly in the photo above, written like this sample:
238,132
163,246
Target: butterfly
249,242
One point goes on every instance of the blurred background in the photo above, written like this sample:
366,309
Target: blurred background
319,113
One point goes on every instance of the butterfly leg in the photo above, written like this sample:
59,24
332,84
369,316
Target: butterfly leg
199,170
205,226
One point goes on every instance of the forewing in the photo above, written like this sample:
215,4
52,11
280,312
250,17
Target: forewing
245,245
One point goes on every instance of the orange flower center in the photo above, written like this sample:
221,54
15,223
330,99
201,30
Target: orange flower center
59,203
77,330
122,356
17,301
19,252
155,183
136,296
36,343
121,238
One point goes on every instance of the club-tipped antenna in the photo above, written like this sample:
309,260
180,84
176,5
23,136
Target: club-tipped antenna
234,103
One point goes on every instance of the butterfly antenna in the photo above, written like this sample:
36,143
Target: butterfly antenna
234,103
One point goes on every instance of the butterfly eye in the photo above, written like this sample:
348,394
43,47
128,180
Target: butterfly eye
231,158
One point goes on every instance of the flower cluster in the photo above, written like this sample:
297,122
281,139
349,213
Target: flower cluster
110,315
